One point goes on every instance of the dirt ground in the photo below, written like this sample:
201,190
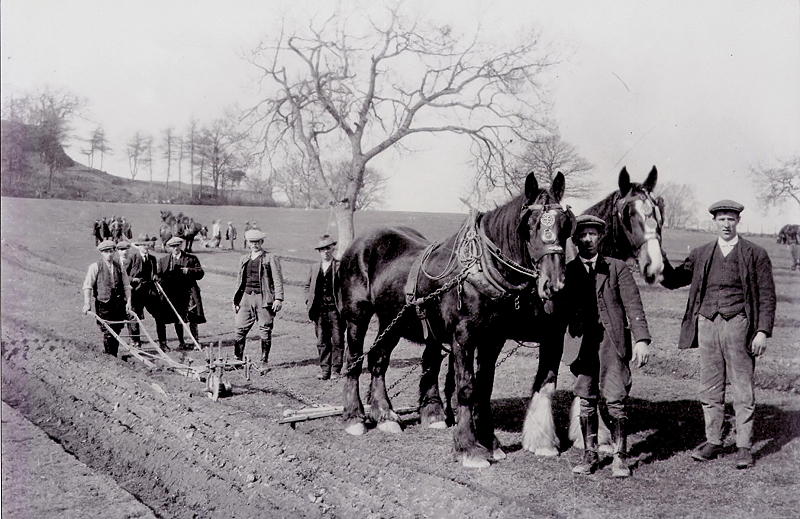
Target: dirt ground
184,455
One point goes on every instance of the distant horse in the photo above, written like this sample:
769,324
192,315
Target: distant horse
634,219
474,279
790,235
178,225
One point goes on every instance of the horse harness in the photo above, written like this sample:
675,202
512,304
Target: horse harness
652,219
481,260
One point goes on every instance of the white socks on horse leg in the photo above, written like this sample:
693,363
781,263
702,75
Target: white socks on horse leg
539,430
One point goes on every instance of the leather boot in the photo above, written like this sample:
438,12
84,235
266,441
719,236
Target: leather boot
266,345
589,430
619,466
238,348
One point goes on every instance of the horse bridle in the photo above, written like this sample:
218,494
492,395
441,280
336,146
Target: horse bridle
547,221
652,220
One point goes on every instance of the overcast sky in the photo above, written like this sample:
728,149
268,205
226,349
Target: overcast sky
703,90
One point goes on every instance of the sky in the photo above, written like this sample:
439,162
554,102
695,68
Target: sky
703,90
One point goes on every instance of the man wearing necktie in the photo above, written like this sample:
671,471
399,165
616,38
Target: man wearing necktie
324,306
729,315
601,304
141,268
178,273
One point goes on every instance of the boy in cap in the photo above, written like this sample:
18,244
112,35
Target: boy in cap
107,284
729,315
259,294
178,273
600,303
324,306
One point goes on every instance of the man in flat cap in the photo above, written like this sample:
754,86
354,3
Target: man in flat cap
230,235
601,304
729,315
141,268
107,284
178,273
324,306
259,294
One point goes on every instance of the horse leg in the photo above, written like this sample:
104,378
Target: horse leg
353,414
380,407
431,413
539,430
467,447
484,421
449,391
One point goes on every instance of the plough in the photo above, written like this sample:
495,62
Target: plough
292,416
153,356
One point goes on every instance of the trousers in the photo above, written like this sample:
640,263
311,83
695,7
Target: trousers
330,339
250,311
725,357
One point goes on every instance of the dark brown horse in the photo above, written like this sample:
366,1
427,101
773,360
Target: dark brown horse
467,288
633,232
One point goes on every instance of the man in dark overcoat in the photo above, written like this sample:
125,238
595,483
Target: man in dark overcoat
258,296
729,316
141,267
106,283
178,273
324,307
601,304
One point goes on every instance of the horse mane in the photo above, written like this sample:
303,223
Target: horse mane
502,226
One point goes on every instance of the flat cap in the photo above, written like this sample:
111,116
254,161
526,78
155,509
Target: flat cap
106,245
123,245
588,220
326,240
254,235
726,205
175,240
142,238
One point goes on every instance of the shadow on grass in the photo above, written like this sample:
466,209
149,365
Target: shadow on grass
670,427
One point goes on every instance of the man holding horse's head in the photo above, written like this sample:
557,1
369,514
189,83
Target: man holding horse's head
601,304
259,294
729,315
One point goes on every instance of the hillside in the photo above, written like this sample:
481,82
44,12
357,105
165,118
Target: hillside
23,174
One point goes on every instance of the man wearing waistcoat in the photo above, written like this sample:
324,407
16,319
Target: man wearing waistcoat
141,268
258,296
729,315
601,304
178,272
324,306
107,284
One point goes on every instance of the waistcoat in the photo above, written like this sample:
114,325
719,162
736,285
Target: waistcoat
724,293
108,286
253,281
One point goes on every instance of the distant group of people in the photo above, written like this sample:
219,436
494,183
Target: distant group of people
115,228
231,234
125,281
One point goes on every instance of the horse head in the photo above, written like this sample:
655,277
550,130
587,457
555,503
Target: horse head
545,226
641,217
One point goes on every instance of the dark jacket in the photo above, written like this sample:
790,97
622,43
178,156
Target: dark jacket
181,288
271,279
313,299
755,271
619,305
134,266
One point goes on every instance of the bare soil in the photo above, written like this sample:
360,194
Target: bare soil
184,455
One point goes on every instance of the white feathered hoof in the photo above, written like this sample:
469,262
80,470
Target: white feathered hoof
539,430
438,425
498,454
472,461
390,427
356,429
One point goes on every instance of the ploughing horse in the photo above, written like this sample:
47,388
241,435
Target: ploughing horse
178,225
634,219
465,290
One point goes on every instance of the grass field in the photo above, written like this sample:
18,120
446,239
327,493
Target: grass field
236,462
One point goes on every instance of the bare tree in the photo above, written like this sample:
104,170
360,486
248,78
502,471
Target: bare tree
136,150
547,156
48,112
365,91
147,155
222,151
168,150
778,184
679,205
100,144
191,136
